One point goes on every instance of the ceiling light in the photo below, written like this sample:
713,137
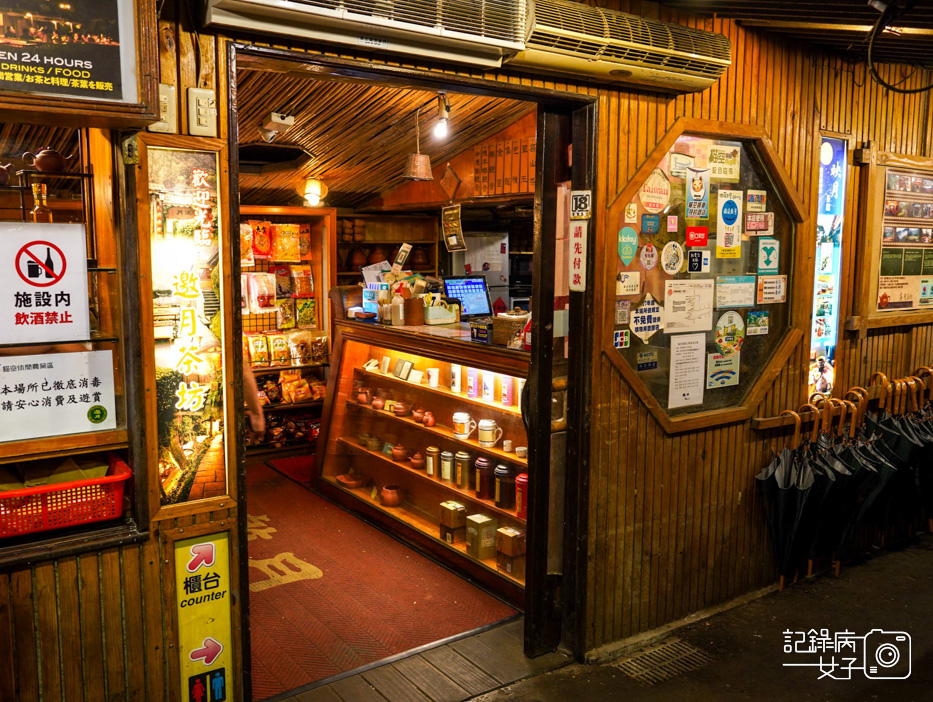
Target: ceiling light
419,164
443,116
314,192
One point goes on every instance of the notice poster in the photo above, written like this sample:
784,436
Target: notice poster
688,306
687,372
756,200
769,251
759,223
698,261
697,193
729,225
756,322
730,333
82,49
772,289
926,292
45,281
722,371
895,293
735,291
655,194
646,318
725,162
628,283
56,394
453,231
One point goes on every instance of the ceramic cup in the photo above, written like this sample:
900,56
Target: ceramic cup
521,451
434,375
489,432
507,446
464,425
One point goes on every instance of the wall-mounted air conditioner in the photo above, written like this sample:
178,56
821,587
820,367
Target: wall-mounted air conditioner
572,39
477,32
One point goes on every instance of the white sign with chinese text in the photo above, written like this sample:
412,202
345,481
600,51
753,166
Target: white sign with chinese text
45,280
56,394
577,260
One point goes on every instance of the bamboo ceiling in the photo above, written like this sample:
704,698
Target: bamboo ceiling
359,134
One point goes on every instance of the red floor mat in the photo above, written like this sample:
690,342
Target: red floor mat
298,468
328,593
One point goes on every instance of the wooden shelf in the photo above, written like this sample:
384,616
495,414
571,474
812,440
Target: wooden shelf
469,495
476,402
263,449
389,242
444,433
422,522
294,405
263,370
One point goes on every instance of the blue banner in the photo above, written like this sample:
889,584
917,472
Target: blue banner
832,176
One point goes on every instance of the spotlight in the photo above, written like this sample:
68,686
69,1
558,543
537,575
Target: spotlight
441,129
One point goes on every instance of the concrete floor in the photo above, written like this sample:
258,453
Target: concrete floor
892,591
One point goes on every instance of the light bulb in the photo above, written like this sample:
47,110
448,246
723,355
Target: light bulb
313,200
440,129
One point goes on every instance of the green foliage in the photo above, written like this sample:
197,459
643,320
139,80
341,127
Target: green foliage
166,384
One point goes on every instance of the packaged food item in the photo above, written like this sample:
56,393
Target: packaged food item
245,339
261,293
278,350
306,313
318,390
283,280
304,241
285,316
299,390
246,244
258,349
319,348
263,398
302,282
299,347
285,245
286,392
288,376
262,239
272,390
244,293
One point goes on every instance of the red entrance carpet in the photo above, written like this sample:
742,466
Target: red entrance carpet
328,593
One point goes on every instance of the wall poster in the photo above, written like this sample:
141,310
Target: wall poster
187,303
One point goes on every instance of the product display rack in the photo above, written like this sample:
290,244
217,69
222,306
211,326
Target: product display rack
388,231
417,519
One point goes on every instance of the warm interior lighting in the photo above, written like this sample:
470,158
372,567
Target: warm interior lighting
418,166
314,192
441,129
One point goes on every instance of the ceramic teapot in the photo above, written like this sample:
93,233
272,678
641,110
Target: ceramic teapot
47,159
391,496
5,174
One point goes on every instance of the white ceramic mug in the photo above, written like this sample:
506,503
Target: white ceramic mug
434,375
489,432
464,425
507,446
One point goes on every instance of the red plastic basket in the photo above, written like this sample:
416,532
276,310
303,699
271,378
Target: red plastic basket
30,510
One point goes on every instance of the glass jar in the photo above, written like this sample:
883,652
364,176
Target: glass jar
505,487
484,478
464,462
432,460
447,466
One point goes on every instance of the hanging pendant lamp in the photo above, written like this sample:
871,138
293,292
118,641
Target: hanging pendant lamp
419,164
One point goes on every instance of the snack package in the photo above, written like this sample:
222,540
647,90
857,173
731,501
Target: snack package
285,313
302,282
272,390
244,293
261,293
245,338
283,280
246,244
299,390
263,399
285,245
258,349
278,350
299,347
286,392
319,349
304,241
288,376
317,390
262,239
306,313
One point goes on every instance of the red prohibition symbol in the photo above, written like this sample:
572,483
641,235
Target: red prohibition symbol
37,270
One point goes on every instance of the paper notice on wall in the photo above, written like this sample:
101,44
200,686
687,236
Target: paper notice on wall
725,162
722,371
895,292
646,318
628,283
769,254
687,377
729,224
772,289
697,187
688,306
756,200
735,291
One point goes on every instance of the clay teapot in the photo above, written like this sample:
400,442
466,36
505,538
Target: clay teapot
399,453
418,414
376,255
401,409
391,496
417,460
379,402
364,396
47,159
356,259
428,419
5,174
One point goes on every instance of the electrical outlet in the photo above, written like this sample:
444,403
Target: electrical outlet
202,112
168,111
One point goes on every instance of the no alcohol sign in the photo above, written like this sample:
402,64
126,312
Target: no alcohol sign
46,268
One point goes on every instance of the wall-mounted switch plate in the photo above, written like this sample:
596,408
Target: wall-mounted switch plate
168,111
202,112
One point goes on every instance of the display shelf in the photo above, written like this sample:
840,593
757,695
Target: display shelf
469,495
266,370
263,449
444,433
422,522
391,242
476,402
294,405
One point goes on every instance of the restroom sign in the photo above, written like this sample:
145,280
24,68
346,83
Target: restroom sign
45,299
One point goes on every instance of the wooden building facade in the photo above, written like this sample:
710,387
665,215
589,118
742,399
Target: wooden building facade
672,523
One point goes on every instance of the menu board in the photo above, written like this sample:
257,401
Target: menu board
705,247
905,271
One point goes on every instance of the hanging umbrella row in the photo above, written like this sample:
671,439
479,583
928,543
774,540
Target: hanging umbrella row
871,468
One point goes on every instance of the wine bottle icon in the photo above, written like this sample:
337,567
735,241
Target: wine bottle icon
49,264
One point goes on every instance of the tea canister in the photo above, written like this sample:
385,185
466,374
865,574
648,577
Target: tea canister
464,467
432,460
484,478
507,384
473,383
505,487
489,386
521,495
447,466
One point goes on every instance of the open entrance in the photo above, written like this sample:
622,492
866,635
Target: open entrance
409,485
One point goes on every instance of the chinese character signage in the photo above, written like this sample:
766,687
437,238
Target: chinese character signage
56,394
205,632
45,283
82,49
577,258
187,316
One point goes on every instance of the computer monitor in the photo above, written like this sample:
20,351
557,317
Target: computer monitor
473,294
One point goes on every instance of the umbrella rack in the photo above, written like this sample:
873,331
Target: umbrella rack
859,465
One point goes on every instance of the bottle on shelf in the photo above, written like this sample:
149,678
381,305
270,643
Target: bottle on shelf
398,310
526,335
40,211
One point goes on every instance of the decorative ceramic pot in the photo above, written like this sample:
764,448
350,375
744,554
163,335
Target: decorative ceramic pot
353,480
376,255
378,402
374,443
419,257
356,259
364,438
399,453
401,409
417,460
391,496
364,396
418,414
46,159
428,419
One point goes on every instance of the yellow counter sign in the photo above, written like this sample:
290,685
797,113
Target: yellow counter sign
205,640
